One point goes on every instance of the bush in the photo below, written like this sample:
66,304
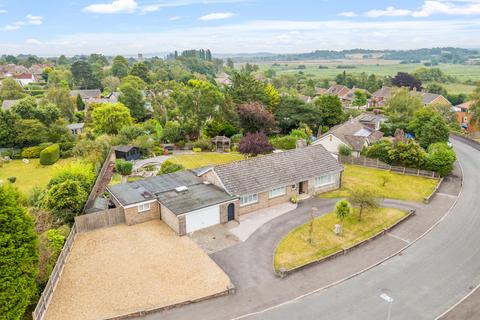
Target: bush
294,199
158,150
203,144
236,138
66,200
12,179
344,150
197,150
284,143
66,149
123,167
31,152
254,144
440,158
408,154
170,167
50,155
380,150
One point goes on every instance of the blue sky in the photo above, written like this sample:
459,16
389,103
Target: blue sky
231,26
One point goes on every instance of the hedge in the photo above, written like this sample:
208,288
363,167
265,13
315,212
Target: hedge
284,143
50,155
33,152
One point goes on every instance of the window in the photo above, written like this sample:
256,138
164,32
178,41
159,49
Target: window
248,199
324,180
294,186
277,192
143,207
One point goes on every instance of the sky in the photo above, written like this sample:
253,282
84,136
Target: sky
54,27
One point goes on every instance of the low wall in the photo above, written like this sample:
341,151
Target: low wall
99,220
283,273
472,143
432,195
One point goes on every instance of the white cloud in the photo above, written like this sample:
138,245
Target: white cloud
117,6
388,12
3,11
431,7
33,41
174,18
31,19
217,16
348,14
14,26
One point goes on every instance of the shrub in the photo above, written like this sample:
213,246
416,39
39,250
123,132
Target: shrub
158,150
50,155
294,199
284,143
123,167
254,144
380,150
344,150
408,154
440,158
237,137
170,167
66,149
197,150
66,200
31,152
203,144
12,179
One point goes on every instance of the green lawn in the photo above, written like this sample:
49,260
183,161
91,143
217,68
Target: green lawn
202,159
31,174
399,186
296,250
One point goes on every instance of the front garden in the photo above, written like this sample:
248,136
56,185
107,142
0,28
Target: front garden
387,184
299,248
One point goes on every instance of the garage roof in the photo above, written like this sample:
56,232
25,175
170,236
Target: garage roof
196,197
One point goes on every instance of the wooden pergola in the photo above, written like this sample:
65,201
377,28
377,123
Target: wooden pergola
221,143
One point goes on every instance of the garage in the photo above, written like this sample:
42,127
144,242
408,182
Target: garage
202,218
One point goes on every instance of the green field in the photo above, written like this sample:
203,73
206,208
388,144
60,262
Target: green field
376,66
31,174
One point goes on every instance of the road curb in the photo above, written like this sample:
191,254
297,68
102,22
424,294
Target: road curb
447,213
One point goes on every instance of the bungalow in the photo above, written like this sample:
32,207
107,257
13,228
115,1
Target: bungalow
86,94
192,200
380,97
355,133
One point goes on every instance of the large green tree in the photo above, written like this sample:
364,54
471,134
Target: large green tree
245,88
66,200
18,256
140,70
83,76
475,108
120,67
7,128
402,105
133,98
11,90
110,118
330,110
429,127
60,96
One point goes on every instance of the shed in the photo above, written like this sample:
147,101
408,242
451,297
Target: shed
221,143
128,153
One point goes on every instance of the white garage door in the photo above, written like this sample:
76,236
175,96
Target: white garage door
202,218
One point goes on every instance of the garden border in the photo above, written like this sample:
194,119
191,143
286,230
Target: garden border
282,273
427,200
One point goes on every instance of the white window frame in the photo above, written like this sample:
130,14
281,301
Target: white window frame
277,192
248,199
143,207
320,183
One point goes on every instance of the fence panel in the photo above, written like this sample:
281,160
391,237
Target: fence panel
98,220
46,296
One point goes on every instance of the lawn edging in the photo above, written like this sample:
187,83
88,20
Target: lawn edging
141,313
427,200
282,273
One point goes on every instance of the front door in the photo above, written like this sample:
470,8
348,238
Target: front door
231,212
301,188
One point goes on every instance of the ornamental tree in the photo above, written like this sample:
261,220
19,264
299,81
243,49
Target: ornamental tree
342,209
254,144
364,199
66,200
110,118
254,117
18,255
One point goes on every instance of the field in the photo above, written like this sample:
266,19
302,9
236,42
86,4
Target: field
377,66
202,159
31,174
295,249
398,186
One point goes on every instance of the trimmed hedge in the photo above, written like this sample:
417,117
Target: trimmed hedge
50,155
33,152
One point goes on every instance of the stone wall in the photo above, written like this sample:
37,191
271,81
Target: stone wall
132,216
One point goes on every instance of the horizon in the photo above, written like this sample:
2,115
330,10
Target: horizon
232,27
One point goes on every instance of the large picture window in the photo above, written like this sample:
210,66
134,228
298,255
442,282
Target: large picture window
248,199
324,180
277,192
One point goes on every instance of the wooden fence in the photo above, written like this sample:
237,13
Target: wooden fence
99,220
98,181
376,163
46,296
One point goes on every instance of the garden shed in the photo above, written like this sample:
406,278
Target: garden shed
128,153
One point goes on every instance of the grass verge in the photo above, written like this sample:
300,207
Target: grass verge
295,249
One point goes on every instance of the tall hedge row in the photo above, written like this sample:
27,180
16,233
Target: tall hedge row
50,155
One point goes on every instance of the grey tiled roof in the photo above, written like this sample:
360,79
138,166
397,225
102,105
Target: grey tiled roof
196,197
87,93
275,170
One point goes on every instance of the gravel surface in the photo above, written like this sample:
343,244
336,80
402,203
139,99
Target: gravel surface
123,269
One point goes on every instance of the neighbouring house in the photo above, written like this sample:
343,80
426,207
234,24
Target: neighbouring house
320,91
8,104
76,128
182,200
86,94
347,98
380,97
223,79
128,153
464,116
338,90
24,79
272,179
188,201
355,133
